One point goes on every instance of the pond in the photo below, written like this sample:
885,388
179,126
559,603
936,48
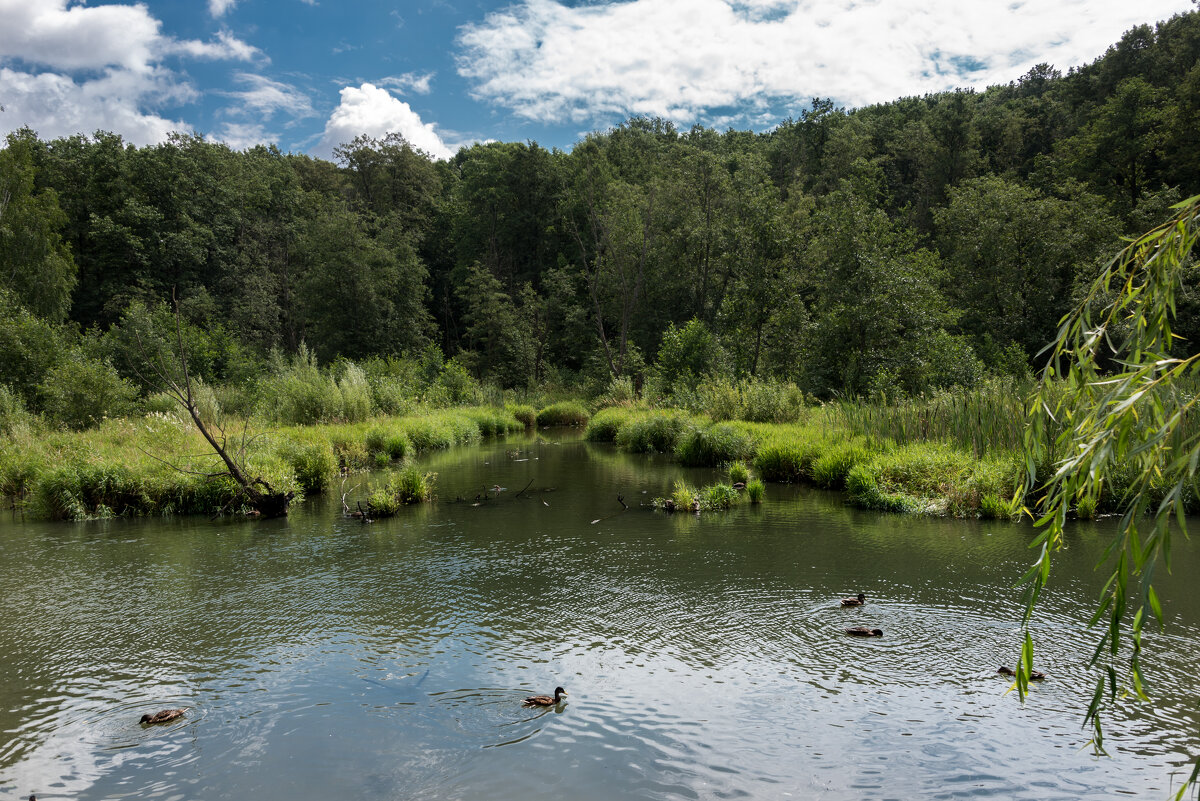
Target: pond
320,657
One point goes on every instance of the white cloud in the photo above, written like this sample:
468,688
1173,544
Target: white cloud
218,7
267,97
56,105
552,62
371,110
418,84
66,70
242,135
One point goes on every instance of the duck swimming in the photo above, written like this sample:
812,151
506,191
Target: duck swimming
545,700
858,600
165,716
863,631
1034,675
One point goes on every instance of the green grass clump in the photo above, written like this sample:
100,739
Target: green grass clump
864,491
755,490
313,464
564,413
683,496
712,445
829,470
604,424
739,473
403,488
493,421
717,497
994,507
525,414
655,432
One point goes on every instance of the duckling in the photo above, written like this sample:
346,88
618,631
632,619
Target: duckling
863,631
859,600
1035,675
165,716
545,700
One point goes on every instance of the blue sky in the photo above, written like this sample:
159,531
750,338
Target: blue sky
308,74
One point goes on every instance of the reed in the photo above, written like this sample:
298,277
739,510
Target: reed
565,413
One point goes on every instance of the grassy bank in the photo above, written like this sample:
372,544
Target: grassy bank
159,464
874,471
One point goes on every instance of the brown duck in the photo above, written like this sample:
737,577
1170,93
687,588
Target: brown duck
545,700
165,716
1034,675
863,631
858,600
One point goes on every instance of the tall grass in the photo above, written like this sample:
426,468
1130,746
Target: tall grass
109,471
564,413
988,417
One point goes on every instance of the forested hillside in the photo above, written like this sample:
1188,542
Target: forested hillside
902,247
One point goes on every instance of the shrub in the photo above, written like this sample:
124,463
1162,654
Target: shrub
565,413
355,392
13,416
80,392
711,446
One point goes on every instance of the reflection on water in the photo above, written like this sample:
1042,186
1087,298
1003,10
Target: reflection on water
705,658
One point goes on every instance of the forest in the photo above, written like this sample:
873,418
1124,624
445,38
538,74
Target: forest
925,244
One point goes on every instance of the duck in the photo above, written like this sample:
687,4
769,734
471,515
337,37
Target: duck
1034,675
863,631
858,600
165,716
545,700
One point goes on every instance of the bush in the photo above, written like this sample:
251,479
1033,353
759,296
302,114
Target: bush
13,416
355,392
565,413
80,392
711,446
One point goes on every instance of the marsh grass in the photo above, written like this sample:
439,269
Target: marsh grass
402,488
712,445
157,464
756,490
652,432
564,413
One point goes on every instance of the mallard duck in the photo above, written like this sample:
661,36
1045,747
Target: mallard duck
545,700
165,716
863,631
1035,675
858,600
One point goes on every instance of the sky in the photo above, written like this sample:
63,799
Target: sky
308,75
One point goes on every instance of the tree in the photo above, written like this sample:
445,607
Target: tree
1091,426
1013,255
35,262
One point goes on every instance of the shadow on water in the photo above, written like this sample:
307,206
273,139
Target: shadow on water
705,656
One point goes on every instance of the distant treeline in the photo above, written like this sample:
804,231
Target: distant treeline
913,245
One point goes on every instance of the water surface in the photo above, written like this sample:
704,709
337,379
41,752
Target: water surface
323,658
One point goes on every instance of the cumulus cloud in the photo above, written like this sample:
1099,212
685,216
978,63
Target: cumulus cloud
549,61
372,110
66,70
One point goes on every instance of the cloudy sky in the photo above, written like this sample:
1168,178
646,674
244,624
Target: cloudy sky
309,74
